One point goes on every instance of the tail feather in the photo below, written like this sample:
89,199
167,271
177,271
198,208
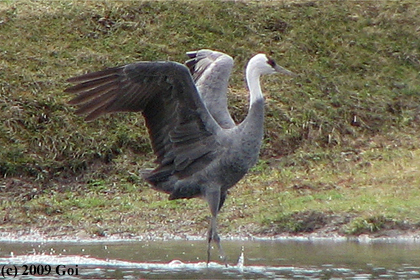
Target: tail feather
160,180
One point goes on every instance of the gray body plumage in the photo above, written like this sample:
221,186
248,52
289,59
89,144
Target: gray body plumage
199,149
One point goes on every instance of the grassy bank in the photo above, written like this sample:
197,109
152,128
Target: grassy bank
341,148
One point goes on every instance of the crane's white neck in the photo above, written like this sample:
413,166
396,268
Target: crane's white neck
253,80
254,119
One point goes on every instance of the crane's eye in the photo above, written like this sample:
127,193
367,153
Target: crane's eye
271,62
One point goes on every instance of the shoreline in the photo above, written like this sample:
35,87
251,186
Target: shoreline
37,237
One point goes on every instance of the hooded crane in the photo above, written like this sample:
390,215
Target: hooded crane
200,150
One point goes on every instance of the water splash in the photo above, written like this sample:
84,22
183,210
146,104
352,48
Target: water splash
241,260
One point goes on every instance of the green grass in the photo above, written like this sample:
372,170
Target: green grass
341,139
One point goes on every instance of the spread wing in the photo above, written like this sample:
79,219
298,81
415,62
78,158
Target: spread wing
211,71
181,129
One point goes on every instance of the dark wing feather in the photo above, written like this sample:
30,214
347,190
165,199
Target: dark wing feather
181,129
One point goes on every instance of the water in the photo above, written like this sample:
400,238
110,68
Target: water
281,259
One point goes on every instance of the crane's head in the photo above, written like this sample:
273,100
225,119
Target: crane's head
266,65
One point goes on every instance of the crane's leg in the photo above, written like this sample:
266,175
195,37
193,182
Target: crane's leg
213,199
213,236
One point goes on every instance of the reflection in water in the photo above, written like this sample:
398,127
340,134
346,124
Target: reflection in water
186,259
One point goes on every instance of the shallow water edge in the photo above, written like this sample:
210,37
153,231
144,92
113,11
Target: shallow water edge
247,259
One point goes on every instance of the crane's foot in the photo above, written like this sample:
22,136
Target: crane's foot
213,236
